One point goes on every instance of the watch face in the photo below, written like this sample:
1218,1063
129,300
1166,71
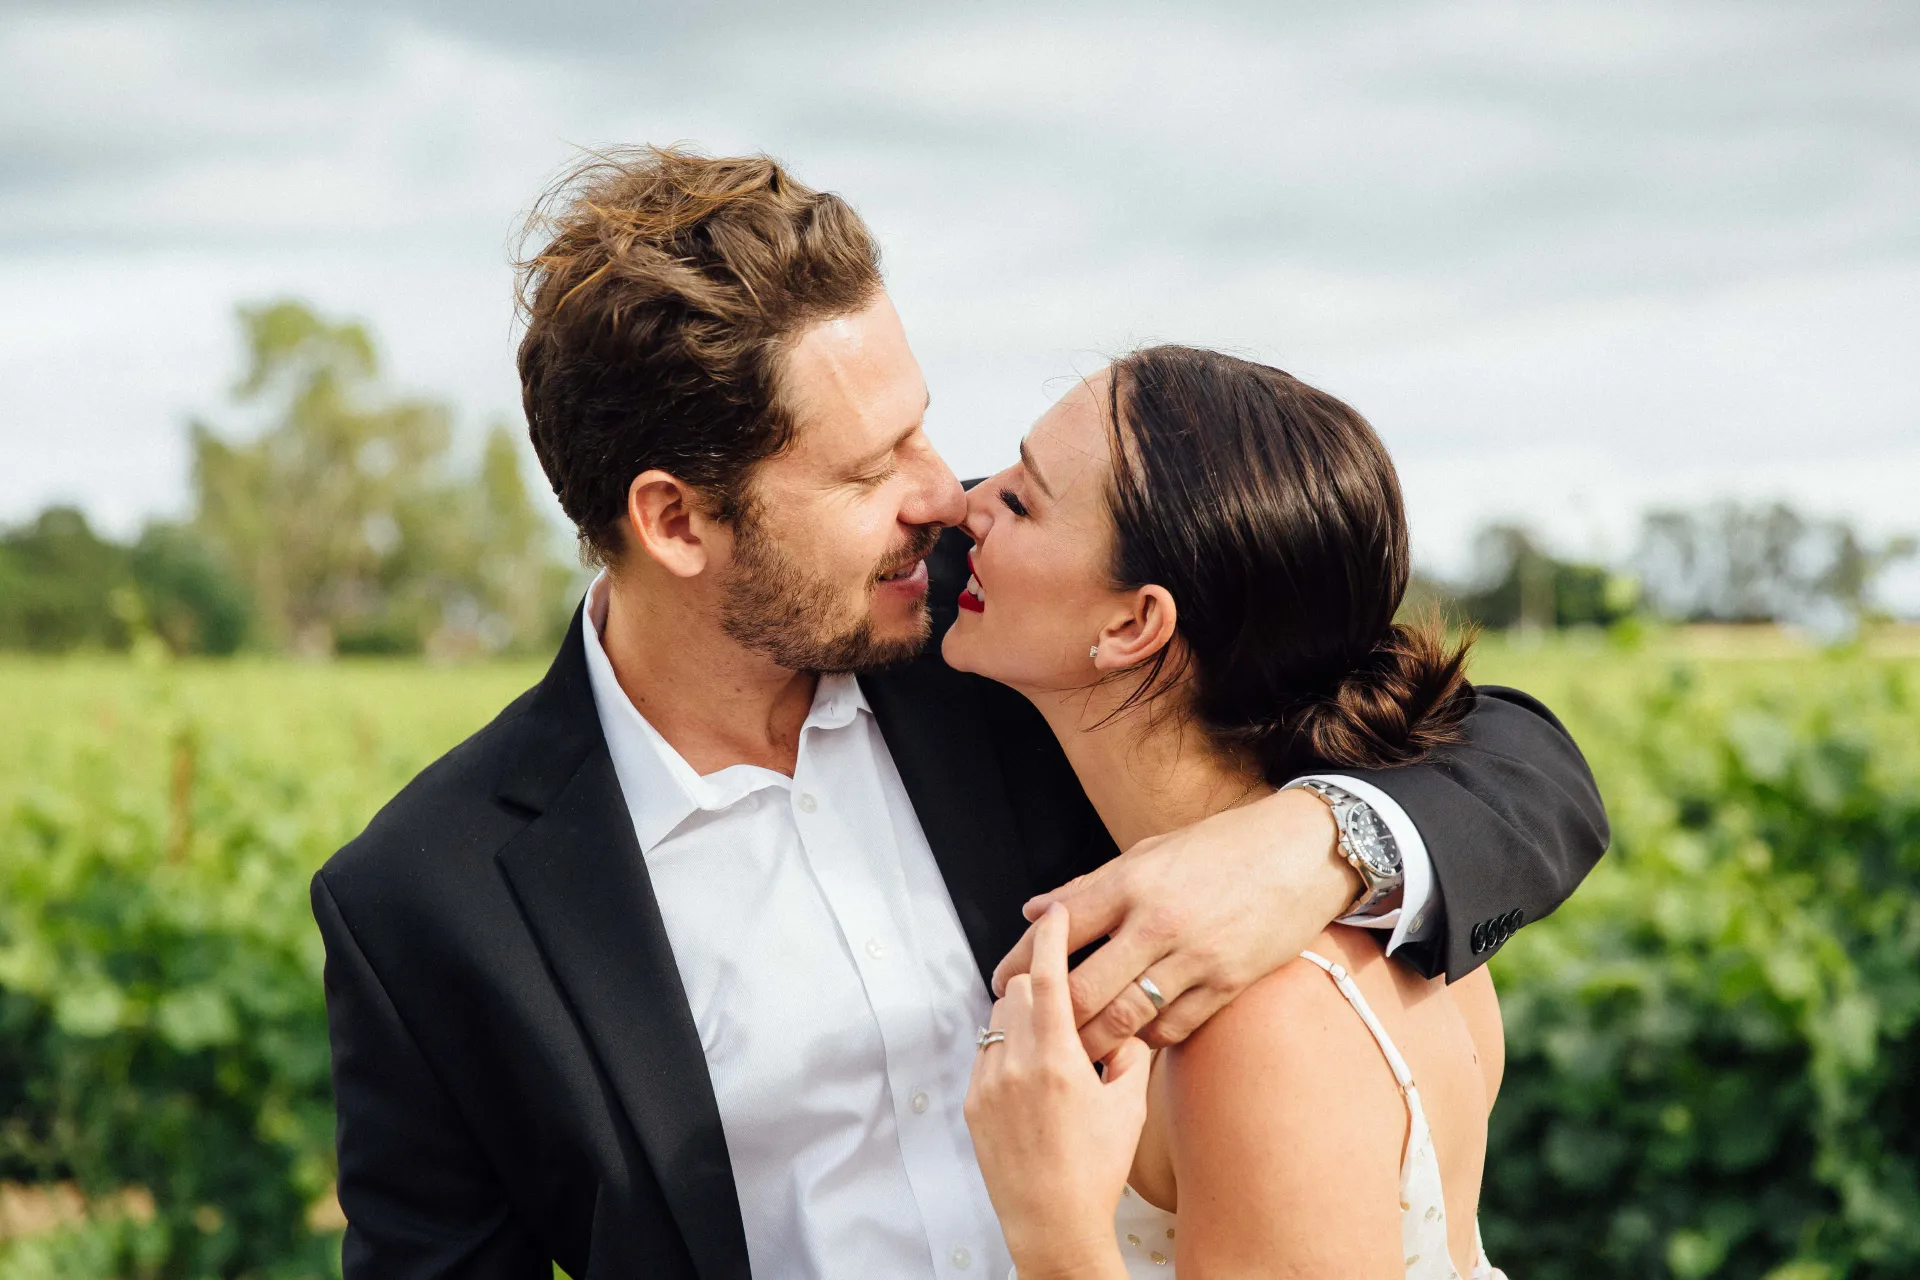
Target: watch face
1369,840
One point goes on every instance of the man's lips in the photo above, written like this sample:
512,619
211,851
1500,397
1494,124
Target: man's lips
908,578
972,599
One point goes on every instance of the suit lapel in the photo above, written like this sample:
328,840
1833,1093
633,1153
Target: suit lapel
937,733
582,885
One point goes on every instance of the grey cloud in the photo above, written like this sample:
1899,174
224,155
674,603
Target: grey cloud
1471,214
1415,137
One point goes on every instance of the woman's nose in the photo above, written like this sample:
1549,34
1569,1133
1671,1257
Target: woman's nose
979,512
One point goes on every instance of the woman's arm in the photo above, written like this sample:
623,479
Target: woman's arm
1286,1131
1054,1140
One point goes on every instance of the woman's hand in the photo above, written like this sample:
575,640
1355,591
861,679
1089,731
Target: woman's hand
1055,1141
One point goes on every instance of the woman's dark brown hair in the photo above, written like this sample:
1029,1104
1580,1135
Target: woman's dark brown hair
1271,512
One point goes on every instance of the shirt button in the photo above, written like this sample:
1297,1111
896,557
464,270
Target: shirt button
918,1102
876,948
807,803
962,1259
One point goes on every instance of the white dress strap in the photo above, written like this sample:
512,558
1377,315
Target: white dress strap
1146,1235
1423,1206
1348,988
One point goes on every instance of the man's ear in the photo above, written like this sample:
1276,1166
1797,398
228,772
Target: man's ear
668,522
1147,627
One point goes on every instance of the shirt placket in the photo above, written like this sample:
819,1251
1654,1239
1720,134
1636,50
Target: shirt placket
849,845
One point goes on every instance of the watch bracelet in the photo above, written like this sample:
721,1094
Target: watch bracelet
1373,890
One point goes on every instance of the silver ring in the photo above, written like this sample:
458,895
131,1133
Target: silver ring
1153,992
987,1036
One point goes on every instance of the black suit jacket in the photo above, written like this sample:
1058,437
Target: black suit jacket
516,1069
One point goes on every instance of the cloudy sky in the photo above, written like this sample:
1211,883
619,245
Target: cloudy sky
1570,259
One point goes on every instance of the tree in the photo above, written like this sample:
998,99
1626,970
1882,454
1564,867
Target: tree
1731,563
1519,584
57,577
345,517
306,512
190,601
63,587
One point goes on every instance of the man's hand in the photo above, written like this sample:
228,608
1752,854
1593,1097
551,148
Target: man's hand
1205,912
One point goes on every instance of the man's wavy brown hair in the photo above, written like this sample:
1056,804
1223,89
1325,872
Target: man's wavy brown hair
669,285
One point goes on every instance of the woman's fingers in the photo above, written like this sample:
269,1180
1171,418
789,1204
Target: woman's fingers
989,1060
1124,1090
1093,916
1013,1014
1131,1058
1052,987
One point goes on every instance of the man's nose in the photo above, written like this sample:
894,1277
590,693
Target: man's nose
938,499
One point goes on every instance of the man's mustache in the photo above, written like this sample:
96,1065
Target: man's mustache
919,547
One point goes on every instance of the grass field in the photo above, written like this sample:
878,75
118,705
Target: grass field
1697,1044
357,730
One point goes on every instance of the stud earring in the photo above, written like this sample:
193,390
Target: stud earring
1094,652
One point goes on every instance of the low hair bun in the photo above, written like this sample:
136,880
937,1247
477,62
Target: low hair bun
1407,697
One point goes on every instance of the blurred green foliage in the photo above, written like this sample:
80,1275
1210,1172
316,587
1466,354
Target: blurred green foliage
1521,584
1723,563
1710,1047
162,1024
346,518
63,587
338,521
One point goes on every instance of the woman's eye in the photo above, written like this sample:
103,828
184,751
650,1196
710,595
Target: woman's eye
1013,503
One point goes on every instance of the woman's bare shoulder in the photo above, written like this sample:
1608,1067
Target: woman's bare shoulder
1479,1007
1280,1107
1285,1013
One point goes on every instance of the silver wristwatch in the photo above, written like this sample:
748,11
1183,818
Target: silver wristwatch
1365,843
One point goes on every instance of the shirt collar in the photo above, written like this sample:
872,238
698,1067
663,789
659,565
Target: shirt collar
661,789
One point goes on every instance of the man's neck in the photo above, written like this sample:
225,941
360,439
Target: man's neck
716,702
1147,771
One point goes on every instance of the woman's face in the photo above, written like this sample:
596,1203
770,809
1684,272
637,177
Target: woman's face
1041,591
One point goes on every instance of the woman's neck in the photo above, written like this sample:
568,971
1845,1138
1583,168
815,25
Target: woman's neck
1148,770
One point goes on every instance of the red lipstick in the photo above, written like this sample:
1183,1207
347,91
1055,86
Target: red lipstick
971,598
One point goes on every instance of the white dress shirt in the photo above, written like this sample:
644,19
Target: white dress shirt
834,991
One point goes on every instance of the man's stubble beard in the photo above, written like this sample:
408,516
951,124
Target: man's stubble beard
778,607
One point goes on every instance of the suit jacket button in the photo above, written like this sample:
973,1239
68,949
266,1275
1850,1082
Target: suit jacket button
1478,939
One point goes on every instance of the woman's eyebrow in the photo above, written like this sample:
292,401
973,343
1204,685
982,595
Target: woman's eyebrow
1026,460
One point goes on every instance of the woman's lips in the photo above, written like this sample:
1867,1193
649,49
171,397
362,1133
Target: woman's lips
972,599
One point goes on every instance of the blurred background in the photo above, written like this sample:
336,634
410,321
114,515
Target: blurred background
1632,292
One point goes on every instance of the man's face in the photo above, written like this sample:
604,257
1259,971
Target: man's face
828,567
